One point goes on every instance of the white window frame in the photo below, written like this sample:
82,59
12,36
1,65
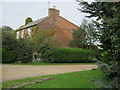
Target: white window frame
22,34
29,32
17,36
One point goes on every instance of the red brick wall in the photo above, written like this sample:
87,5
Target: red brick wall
63,34
25,32
65,24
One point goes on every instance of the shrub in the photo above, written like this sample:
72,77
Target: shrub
7,56
47,53
23,50
73,55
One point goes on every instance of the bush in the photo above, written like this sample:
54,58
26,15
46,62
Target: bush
23,50
15,49
73,55
7,56
47,53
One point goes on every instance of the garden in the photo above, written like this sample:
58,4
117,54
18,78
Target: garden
97,41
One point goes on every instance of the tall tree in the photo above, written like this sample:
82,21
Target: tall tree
85,36
8,43
79,38
8,38
92,33
108,15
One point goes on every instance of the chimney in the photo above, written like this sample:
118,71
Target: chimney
52,12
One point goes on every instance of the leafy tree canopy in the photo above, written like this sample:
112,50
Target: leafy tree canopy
28,20
108,14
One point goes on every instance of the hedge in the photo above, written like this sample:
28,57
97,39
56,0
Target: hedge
73,55
7,56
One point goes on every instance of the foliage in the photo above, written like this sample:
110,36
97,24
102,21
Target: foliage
41,37
23,50
85,36
79,39
7,56
44,43
8,38
47,53
8,44
109,14
73,55
15,49
7,29
92,35
28,20
1,55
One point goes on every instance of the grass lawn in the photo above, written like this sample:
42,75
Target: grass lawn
47,63
81,79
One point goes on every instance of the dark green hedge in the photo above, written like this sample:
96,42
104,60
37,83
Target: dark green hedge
73,55
7,56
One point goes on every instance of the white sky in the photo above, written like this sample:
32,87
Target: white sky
13,12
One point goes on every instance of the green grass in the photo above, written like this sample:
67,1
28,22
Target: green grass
81,79
47,63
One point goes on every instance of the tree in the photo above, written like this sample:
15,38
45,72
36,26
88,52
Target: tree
8,38
23,50
8,44
39,37
7,29
91,32
108,14
79,38
14,50
42,43
28,20
86,36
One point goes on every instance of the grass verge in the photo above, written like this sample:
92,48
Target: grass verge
81,79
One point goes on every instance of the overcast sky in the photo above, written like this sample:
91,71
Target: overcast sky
14,13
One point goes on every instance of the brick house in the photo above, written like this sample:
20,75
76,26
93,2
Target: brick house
64,27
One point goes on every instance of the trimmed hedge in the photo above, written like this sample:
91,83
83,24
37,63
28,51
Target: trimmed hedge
73,55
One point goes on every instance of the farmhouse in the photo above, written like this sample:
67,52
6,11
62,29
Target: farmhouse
64,28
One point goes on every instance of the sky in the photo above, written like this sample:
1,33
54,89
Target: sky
13,12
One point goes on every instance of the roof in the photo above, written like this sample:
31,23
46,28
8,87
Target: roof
33,23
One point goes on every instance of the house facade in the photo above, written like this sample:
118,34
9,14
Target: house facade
63,27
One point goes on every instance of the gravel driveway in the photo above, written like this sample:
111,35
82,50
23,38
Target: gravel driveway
13,72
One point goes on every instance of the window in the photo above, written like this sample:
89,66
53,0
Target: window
22,34
17,34
29,31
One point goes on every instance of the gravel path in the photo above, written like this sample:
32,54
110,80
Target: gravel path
13,72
